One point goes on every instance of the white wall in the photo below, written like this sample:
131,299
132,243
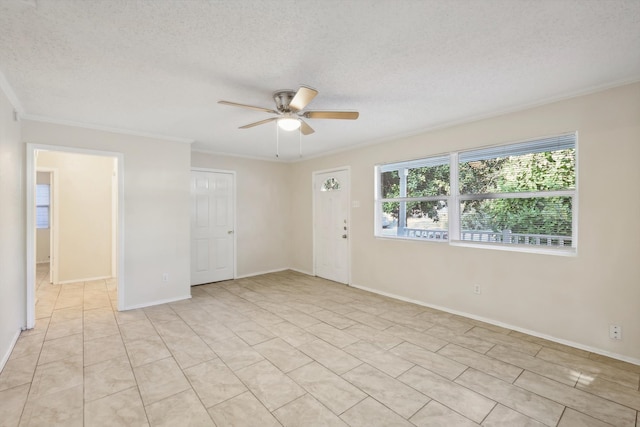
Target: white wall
43,235
262,211
568,298
12,231
156,207
84,214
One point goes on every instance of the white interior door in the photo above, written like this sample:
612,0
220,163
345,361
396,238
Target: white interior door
331,225
212,227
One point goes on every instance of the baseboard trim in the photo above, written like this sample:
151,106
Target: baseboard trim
156,302
88,279
599,351
5,358
308,273
259,273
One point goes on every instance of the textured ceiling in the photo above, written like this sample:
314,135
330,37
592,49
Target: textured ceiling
159,67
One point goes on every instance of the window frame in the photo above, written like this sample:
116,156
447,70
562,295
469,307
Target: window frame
40,226
455,198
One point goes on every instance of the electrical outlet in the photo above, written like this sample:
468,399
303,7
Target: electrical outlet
165,277
476,289
615,332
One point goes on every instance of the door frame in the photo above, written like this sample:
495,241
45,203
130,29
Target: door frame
32,150
314,174
235,214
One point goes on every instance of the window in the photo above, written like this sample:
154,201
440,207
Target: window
514,195
413,199
43,202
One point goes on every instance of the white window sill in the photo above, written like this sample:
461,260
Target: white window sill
535,249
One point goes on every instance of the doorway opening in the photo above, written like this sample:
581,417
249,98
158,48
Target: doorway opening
76,235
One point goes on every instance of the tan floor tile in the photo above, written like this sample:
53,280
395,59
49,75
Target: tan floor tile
535,406
130,316
108,377
292,334
572,418
372,413
610,390
61,348
137,330
501,416
282,355
432,361
329,356
189,351
214,382
536,365
379,338
488,365
579,400
251,332
592,367
394,394
18,371
330,389
620,364
104,348
409,320
333,336
160,313
64,409
428,342
505,340
211,331
436,414
27,345
307,412
122,409
63,328
183,409
54,377
371,320
242,411
456,397
12,401
269,384
93,330
143,351
383,360
333,319
299,319
235,353
550,344
161,379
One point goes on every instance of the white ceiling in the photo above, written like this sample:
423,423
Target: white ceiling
160,66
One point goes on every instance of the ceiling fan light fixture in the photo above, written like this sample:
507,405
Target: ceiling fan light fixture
288,123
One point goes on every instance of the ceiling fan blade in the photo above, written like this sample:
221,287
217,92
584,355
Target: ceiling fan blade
346,115
302,98
305,128
261,122
250,107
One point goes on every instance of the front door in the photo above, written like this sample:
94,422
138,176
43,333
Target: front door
212,226
331,227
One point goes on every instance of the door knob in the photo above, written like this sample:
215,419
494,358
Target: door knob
230,232
344,236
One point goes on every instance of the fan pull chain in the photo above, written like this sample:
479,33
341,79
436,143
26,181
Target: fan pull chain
277,140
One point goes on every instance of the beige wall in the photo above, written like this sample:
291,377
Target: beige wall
84,214
43,235
12,230
262,211
156,207
569,298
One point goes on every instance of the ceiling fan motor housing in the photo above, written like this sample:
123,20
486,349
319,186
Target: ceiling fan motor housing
282,99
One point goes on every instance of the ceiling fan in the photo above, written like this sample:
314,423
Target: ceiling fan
289,110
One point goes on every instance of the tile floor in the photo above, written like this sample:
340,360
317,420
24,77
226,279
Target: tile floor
293,350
